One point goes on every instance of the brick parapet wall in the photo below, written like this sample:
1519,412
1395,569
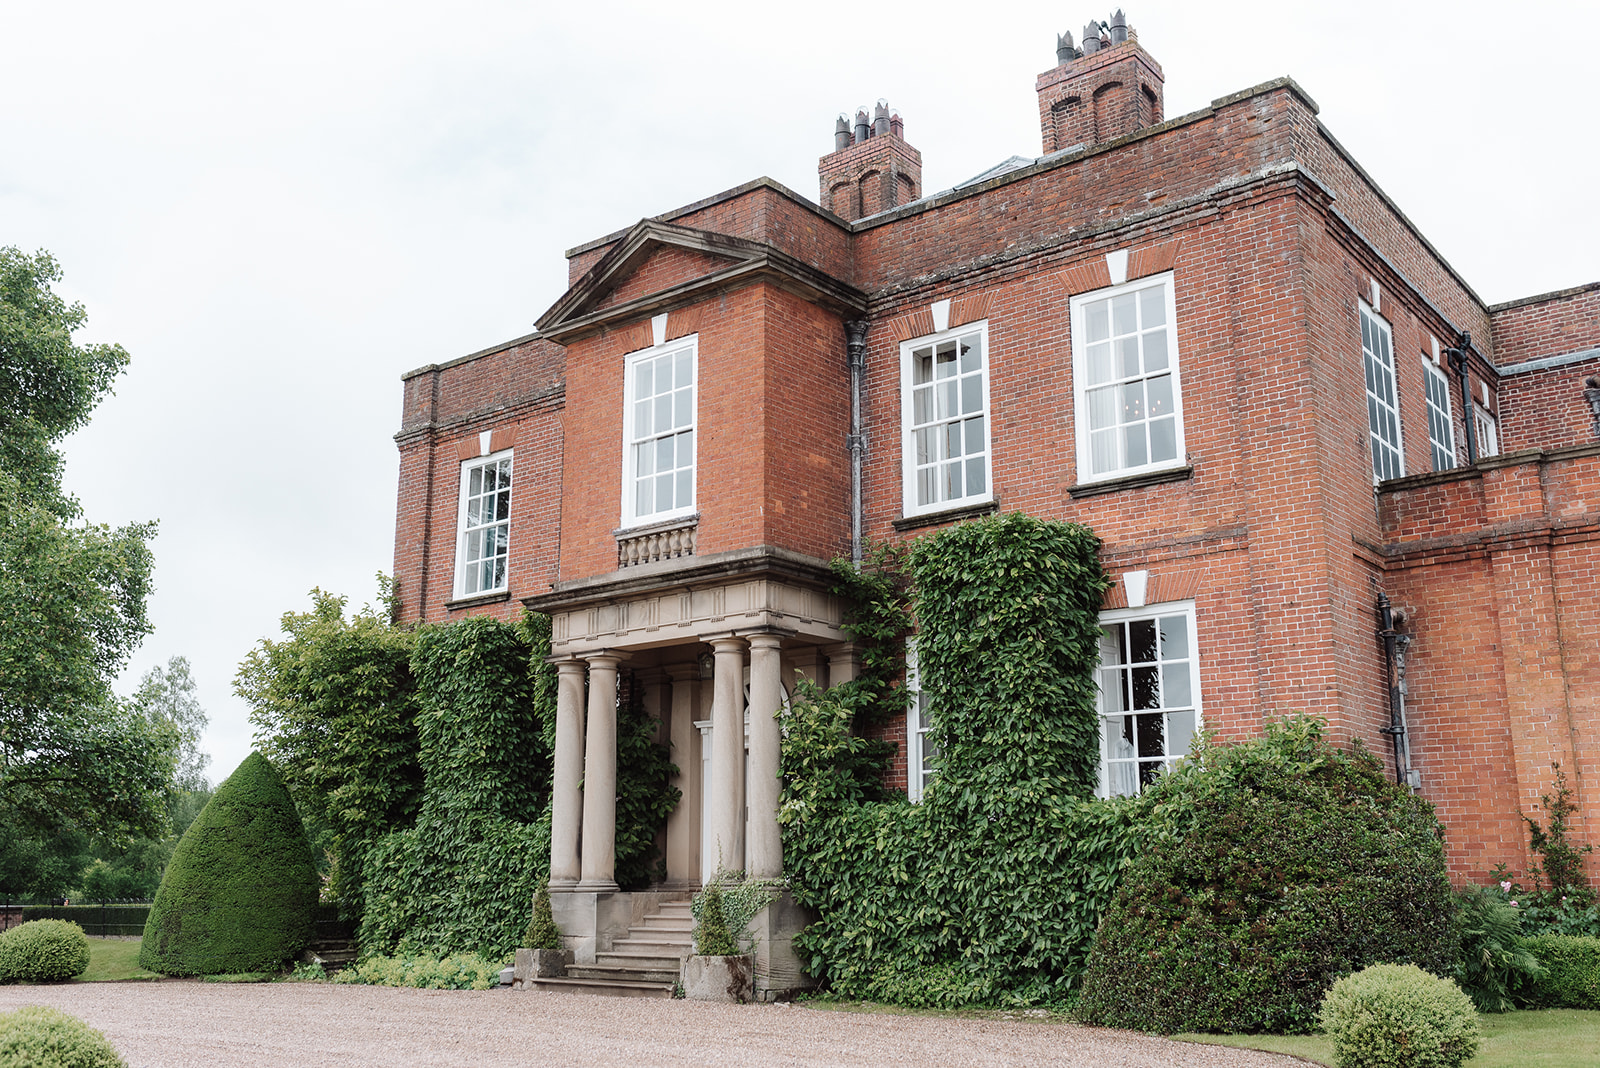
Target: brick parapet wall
1547,325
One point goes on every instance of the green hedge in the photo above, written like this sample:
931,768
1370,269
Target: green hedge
43,951
97,921
240,892
1572,972
1275,866
35,1036
1399,1016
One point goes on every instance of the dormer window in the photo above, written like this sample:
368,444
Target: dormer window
658,462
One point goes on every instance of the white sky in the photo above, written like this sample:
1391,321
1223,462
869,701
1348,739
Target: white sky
278,209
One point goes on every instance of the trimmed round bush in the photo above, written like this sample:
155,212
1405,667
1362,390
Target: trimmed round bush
1399,1016
38,1037
241,890
43,951
1271,867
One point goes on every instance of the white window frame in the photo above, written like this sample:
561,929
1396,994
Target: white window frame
919,771
1487,429
909,428
1078,312
1377,373
631,515
1108,715
1435,381
465,532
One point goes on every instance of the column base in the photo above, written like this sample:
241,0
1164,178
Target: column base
563,884
596,886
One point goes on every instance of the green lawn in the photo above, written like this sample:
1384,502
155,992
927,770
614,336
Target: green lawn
1544,1038
112,959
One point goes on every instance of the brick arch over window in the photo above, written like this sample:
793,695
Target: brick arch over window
1110,106
1067,123
842,201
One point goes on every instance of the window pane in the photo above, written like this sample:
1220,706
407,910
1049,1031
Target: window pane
1098,326
664,501
685,449
1153,307
1164,439
923,440
683,364
1155,350
641,420
945,359
645,380
664,460
502,504
1099,363
922,405
1124,318
926,478
976,477
682,403
685,492
663,412
1111,644
644,496
921,366
1175,684
1122,779
1102,407
644,456
475,481
474,510
1146,687
1174,639
1103,451
974,432
1152,735
952,482
1127,356
1142,641
949,398
972,394
952,439
1120,737
1132,397
1159,391
1133,446
1180,733
971,353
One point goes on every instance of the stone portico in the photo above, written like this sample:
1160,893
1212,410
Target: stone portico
714,644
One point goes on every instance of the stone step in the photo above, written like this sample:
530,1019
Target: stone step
665,923
609,987
641,960
632,972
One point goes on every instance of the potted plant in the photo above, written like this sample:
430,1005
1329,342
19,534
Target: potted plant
543,955
717,971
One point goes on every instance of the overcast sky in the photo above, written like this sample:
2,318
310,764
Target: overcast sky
278,209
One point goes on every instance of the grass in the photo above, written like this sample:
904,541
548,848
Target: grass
113,960
1540,1038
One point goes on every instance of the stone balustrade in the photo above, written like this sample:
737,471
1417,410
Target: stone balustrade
652,545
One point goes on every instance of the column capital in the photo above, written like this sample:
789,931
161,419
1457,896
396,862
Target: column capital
727,643
567,665
607,657
683,672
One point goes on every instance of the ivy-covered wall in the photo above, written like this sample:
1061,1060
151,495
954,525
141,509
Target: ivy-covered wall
990,888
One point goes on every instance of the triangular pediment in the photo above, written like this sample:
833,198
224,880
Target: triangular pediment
656,265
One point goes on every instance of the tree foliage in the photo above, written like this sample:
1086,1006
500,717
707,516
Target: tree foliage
1273,866
72,595
241,891
166,697
334,704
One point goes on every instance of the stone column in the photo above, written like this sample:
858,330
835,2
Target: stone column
844,662
763,848
727,755
683,825
599,865
566,801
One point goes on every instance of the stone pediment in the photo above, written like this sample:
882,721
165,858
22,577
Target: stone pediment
658,266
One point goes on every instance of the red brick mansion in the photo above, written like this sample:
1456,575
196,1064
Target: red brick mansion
1327,476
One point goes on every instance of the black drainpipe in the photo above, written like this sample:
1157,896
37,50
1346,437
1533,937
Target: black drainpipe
1396,730
1458,360
855,333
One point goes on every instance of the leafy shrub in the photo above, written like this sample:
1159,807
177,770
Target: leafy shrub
542,931
38,1037
711,937
1493,961
459,971
241,890
990,888
1571,976
1276,865
43,951
1560,862
1399,1016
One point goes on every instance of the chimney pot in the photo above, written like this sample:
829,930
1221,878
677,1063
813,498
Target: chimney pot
880,118
841,133
863,128
1091,39
1119,27
897,126
1065,53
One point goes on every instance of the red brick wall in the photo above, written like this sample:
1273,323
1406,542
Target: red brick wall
1546,408
1550,325
665,268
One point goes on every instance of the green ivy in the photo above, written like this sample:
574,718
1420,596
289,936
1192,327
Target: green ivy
990,889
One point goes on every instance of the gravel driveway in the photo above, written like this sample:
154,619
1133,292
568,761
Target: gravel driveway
215,1025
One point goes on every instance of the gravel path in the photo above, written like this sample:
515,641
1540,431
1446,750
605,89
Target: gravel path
215,1025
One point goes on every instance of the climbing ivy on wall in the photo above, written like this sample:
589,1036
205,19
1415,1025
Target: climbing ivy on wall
990,888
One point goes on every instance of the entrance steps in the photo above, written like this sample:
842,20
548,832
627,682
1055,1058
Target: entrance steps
642,964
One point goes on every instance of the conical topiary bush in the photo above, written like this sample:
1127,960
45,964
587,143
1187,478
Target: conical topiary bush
240,892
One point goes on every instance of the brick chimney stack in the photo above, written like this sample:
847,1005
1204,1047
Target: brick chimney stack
1108,88
871,167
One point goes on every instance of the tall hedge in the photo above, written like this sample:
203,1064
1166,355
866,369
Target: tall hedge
241,888
1274,866
990,888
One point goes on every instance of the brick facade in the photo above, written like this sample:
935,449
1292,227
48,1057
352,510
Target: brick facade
1272,238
